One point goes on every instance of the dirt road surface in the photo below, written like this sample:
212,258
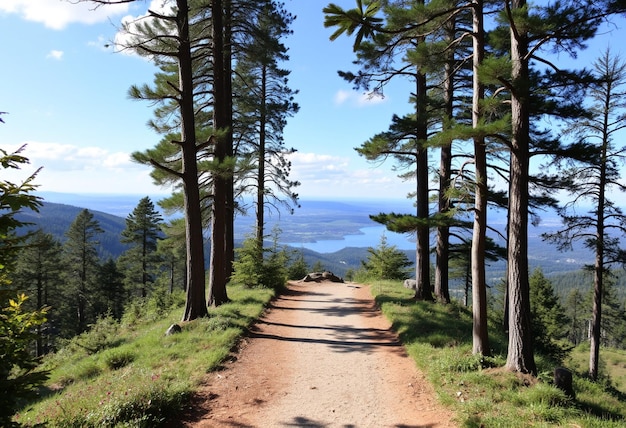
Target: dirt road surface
321,356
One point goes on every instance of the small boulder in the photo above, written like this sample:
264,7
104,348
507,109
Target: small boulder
329,276
321,276
174,328
410,284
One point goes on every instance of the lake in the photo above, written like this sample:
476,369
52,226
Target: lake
370,237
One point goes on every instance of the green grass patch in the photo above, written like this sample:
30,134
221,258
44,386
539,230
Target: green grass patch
479,390
612,364
138,377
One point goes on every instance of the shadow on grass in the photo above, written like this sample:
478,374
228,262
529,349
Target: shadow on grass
600,411
427,322
604,410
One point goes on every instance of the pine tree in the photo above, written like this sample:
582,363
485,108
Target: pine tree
139,262
406,140
176,46
386,262
613,328
38,274
553,92
593,180
172,254
81,263
549,322
114,296
298,268
13,198
19,376
263,103
576,310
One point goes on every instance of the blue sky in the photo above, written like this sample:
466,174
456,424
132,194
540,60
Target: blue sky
66,98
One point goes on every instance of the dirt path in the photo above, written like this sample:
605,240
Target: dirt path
322,356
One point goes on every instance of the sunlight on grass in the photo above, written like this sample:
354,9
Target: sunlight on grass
479,390
131,374
140,377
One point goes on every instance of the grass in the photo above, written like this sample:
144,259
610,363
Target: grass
479,390
612,364
130,374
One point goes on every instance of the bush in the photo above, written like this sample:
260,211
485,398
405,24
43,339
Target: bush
387,262
102,335
84,369
259,267
117,358
298,268
18,375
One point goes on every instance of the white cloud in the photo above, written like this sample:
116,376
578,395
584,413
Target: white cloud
68,168
101,43
54,54
68,157
324,175
71,169
342,96
371,98
57,14
363,99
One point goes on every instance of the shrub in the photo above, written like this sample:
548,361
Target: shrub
117,358
260,267
84,369
298,268
134,312
102,335
18,374
387,262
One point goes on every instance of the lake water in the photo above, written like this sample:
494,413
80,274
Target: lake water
370,237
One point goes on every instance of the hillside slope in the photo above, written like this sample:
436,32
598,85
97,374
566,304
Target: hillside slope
56,219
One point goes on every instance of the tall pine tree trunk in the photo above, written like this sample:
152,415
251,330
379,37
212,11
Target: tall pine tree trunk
423,290
195,306
260,198
598,280
442,292
480,335
228,126
220,219
520,356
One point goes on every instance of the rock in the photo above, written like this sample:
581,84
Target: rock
563,381
321,276
410,283
174,328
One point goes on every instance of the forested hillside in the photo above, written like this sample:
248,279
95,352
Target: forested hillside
563,268
56,219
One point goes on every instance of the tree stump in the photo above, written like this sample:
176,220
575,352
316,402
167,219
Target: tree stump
563,381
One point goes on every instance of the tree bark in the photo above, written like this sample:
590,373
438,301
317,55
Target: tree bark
228,126
442,291
598,280
520,356
423,290
480,335
220,232
260,201
195,306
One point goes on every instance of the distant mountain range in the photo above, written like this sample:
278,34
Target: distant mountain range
316,221
326,221
56,219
